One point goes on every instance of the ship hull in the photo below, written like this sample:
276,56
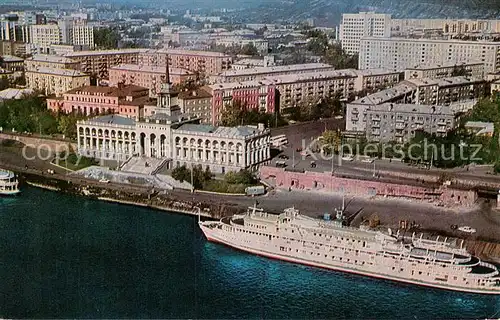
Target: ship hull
212,237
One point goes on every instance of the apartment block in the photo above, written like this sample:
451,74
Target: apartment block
53,81
146,76
261,45
258,95
12,29
400,122
475,70
12,48
204,62
356,26
12,63
50,61
399,54
447,26
458,94
259,73
126,100
44,35
97,63
196,102
375,79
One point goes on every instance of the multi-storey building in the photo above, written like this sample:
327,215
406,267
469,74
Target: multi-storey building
83,35
50,61
475,70
399,54
447,26
65,31
198,103
375,79
97,63
364,24
55,81
296,89
12,63
260,73
12,29
44,35
259,95
175,137
125,100
204,62
399,122
146,76
261,45
454,93
13,48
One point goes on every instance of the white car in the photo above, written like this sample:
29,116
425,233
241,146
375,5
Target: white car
467,229
104,181
368,160
348,158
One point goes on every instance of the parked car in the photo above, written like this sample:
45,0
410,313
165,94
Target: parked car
104,181
467,229
348,158
454,227
313,164
284,157
368,160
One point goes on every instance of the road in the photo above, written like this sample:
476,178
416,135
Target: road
485,220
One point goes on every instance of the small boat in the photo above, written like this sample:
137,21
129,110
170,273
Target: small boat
9,185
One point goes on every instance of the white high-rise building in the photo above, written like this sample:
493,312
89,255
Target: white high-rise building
399,54
364,24
66,31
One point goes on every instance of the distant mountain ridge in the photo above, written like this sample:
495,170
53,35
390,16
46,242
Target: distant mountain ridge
329,12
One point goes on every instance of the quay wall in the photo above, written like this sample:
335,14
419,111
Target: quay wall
39,142
326,182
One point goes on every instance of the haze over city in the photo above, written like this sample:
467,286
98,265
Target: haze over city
250,159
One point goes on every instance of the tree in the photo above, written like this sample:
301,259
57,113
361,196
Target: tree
374,221
250,50
106,38
459,71
331,141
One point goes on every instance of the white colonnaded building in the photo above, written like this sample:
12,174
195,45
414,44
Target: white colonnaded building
166,133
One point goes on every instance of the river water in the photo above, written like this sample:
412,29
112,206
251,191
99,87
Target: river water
63,256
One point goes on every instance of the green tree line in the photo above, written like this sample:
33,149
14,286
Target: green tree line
31,115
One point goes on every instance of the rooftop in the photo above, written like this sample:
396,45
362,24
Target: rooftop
113,119
448,41
276,69
443,82
151,69
60,72
444,65
483,127
388,94
199,93
51,58
123,91
229,132
372,72
103,52
12,93
324,74
411,108
11,59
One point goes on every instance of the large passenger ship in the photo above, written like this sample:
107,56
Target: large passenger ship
8,183
330,244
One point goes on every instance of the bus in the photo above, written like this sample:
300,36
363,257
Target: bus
279,141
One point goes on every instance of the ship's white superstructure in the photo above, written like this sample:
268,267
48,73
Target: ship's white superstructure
329,244
8,183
